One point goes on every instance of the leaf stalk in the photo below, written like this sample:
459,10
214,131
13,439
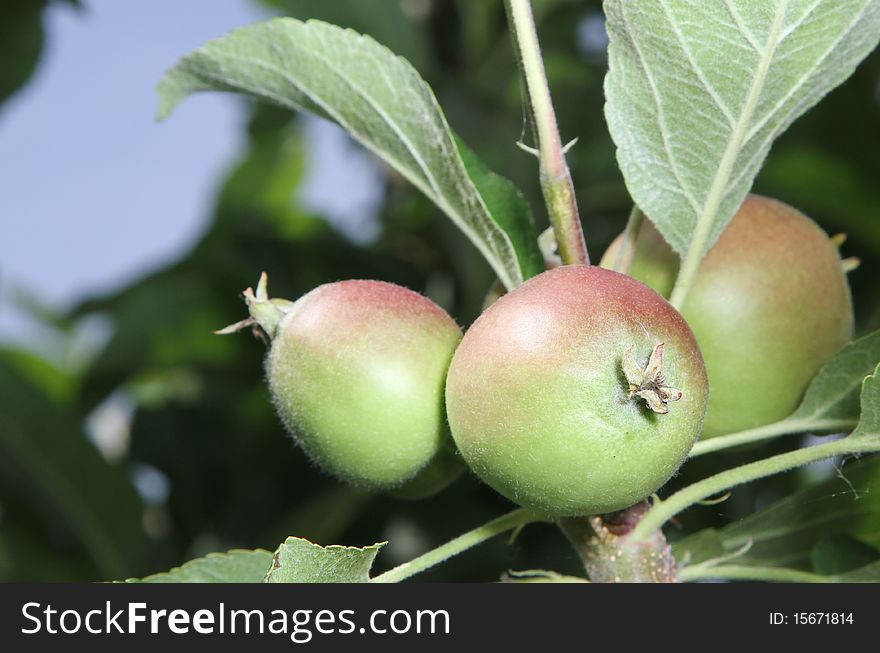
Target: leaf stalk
556,183
662,511
514,519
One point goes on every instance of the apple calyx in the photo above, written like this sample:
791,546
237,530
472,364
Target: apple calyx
265,313
649,383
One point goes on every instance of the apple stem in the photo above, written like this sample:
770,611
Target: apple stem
662,511
788,426
556,183
610,554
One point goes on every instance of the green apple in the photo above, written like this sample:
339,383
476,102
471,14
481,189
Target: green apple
769,306
580,392
356,371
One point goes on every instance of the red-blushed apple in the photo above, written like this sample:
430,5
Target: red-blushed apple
770,305
580,392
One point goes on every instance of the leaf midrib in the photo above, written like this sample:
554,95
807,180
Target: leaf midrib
706,217
432,190
754,131
661,115
768,534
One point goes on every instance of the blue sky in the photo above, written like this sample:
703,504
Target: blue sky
94,192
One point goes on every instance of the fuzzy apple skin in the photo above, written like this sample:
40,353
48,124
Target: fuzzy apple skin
769,306
537,400
356,371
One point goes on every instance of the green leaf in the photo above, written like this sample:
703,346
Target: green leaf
300,561
831,404
540,576
509,209
867,574
839,553
698,91
868,429
378,97
21,41
863,440
45,456
834,393
235,566
58,385
787,533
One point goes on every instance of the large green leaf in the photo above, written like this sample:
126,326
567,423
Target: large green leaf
787,533
300,561
296,561
698,91
509,208
868,429
839,553
46,457
230,567
378,97
833,395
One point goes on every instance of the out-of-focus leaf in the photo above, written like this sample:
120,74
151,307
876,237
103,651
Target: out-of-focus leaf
786,533
323,516
833,395
387,21
64,476
230,567
57,384
21,40
300,561
159,323
26,555
698,92
154,389
378,97
839,189
267,181
839,553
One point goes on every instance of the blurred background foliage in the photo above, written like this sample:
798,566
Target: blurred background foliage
184,455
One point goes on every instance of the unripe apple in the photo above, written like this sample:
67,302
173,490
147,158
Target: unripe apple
580,392
356,371
770,304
